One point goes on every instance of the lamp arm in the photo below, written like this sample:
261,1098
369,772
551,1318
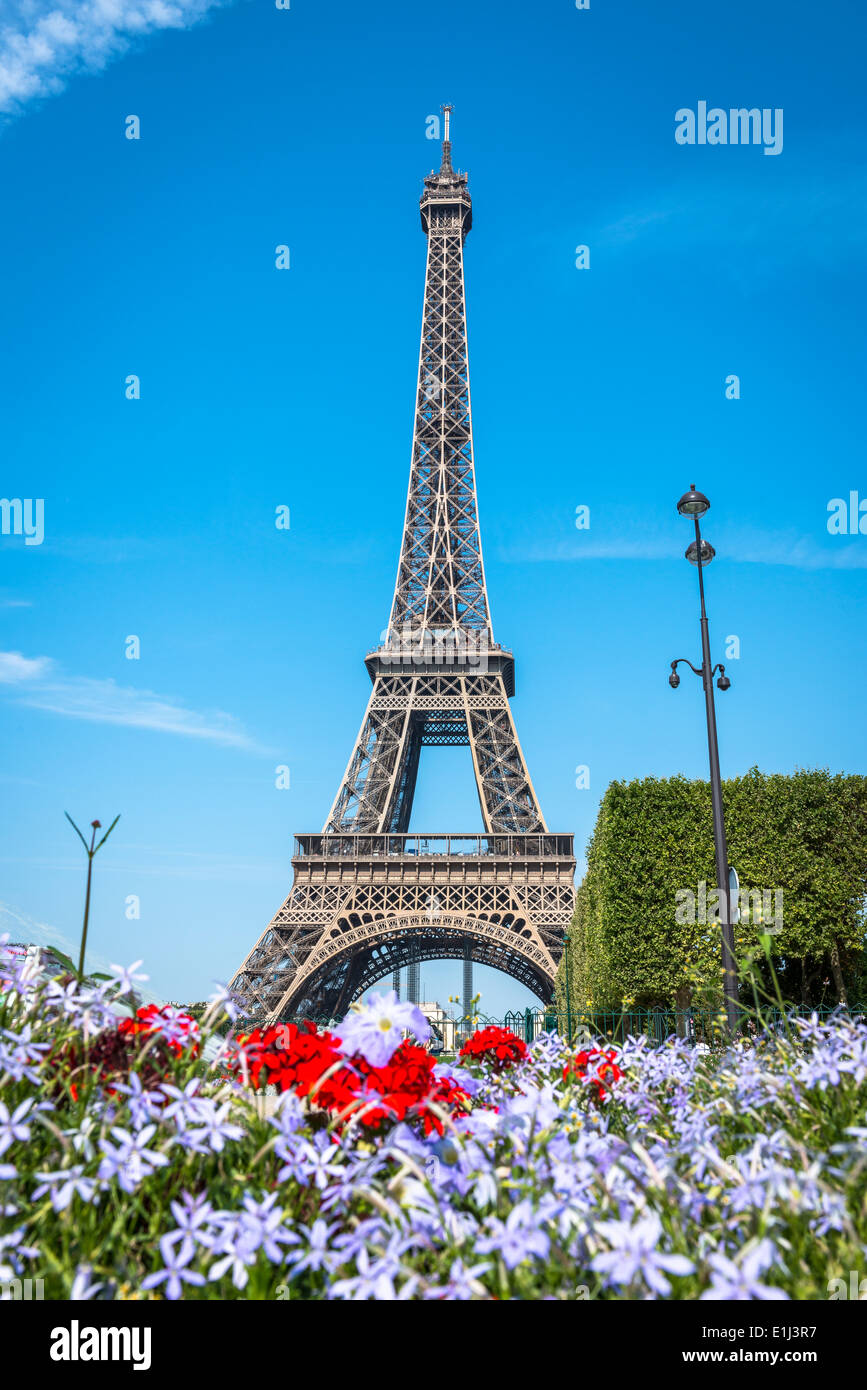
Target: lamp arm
696,669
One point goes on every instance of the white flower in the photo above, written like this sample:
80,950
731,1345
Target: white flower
376,1029
126,977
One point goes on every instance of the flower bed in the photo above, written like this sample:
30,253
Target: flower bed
132,1167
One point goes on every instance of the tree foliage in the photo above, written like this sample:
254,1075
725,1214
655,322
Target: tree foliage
804,834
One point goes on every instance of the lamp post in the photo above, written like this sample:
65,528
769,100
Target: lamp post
568,985
700,553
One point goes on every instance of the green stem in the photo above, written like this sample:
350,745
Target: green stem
86,910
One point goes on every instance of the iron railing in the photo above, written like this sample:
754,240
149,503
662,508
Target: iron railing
695,1025
355,846
616,1025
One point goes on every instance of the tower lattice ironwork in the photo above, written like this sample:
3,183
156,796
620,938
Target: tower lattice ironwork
368,897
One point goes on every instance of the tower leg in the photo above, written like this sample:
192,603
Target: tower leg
467,1005
413,971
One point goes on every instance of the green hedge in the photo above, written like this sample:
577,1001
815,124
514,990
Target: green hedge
805,834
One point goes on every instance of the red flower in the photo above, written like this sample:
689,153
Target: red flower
602,1066
179,1031
449,1096
408,1089
308,1062
293,1059
112,1056
499,1046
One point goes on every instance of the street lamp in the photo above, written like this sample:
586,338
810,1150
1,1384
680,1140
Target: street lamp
700,553
568,986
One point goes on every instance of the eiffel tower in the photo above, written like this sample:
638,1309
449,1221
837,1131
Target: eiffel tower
367,896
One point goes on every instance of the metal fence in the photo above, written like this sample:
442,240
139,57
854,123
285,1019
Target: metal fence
694,1025
612,1025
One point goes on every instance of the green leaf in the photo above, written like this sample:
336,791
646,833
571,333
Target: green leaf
107,833
78,832
63,960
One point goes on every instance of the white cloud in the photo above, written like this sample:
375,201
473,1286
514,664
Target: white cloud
744,545
807,214
14,667
43,42
106,702
618,548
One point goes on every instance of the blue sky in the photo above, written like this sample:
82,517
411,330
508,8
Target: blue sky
259,387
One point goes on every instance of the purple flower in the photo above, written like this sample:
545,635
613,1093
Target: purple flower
464,1078
288,1116
314,1252
215,1128
64,1185
375,1279
82,1137
547,1047
193,1215
238,1259
173,1025
175,1272
533,1109
740,1282
225,1001
82,1288
126,977
12,1253
485,1188
517,1238
66,996
376,1029
242,1235
20,1060
351,1243
184,1105
463,1283
238,1249
312,1163
143,1105
13,1126
262,1222
131,1160
634,1254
